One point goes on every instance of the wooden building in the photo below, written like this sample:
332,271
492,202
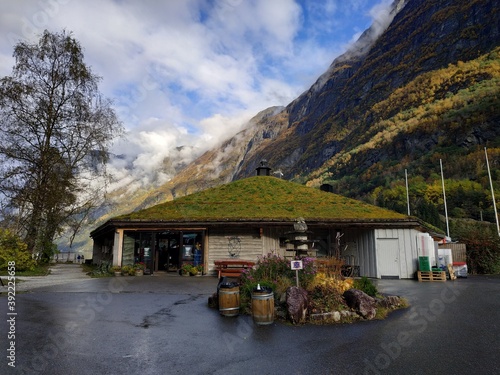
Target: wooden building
252,217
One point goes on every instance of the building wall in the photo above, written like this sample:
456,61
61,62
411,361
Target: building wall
96,252
222,240
274,241
365,240
405,264
102,250
271,240
254,241
367,248
358,247
411,250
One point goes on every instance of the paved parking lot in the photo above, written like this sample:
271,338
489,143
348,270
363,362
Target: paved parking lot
162,325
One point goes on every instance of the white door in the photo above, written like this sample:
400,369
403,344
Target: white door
388,257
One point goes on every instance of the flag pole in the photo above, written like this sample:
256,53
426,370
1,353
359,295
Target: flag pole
492,191
444,198
407,193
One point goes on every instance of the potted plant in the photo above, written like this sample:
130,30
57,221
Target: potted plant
126,270
199,268
117,270
186,269
139,268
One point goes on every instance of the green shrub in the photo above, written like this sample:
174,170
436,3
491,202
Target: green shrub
271,268
365,285
483,245
274,271
12,248
98,270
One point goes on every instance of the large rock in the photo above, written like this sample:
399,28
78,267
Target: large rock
361,302
296,301
390,302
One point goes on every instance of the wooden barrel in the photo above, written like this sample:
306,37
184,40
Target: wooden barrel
263,307
229,300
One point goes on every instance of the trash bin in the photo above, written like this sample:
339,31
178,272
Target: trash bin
424,264
229,299
263,305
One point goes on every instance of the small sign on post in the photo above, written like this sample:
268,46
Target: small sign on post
296,265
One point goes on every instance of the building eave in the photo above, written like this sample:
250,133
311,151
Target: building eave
180,224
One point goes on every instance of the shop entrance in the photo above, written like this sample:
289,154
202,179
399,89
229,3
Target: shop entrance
163,250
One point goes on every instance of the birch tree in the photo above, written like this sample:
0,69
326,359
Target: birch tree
55,132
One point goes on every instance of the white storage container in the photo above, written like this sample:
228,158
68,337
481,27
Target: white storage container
426,247
445,258
460,269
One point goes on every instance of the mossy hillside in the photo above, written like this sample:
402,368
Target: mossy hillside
262,198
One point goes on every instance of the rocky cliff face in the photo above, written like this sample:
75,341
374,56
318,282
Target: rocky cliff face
347,106
425,35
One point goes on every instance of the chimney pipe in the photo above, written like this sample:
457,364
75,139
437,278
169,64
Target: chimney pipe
263,169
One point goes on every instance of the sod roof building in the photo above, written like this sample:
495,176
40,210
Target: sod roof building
255,216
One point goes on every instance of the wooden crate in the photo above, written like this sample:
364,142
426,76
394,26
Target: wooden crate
431,276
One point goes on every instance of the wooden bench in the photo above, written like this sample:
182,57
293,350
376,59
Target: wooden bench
232,267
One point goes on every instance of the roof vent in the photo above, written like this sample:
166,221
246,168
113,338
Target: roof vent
263,169
326,187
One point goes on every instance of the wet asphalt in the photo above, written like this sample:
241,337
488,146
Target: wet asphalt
162,324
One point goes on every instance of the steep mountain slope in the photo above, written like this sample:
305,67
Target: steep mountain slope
219,166
337,114
422,88
238,156
337,111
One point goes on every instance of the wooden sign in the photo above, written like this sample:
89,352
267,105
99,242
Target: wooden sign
296,265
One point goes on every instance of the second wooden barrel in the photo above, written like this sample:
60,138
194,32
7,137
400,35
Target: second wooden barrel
263,306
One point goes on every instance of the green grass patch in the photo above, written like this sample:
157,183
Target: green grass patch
39,270
258,198
366,285
382,312
96,271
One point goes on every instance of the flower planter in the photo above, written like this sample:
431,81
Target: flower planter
139,272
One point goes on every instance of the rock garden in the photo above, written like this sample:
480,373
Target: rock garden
322,295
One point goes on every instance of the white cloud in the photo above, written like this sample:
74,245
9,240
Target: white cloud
382,16
218,127
191,72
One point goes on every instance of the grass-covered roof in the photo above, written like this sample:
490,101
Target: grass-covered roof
262,199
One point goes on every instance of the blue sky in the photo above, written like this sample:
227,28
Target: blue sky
192,72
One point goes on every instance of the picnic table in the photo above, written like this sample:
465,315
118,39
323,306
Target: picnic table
232,267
